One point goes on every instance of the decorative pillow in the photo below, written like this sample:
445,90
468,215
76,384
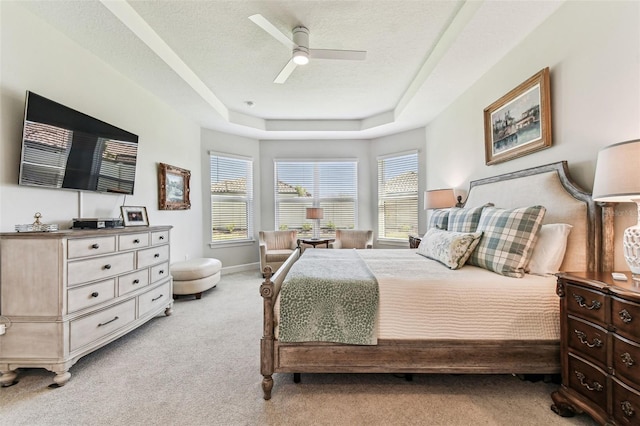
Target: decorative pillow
464,220
548,253
452,249
438,219
508,239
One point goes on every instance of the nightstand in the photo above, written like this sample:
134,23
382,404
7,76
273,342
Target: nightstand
600,348
414,241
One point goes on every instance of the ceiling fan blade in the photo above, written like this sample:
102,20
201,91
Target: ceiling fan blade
352,55
286,72
271,29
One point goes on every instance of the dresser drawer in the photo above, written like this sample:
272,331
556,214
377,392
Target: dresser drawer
625,404
89,295
626,359
588,340
92,327
585,303
159,272
152,256
84,247
133,241
82,271
625,317
160,237
588,380
153,299
132,282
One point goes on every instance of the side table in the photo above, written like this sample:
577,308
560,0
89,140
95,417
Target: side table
317,241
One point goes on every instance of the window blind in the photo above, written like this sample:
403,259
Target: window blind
331,185
398,196
231,198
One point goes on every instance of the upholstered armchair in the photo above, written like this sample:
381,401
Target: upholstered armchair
353,238
275,248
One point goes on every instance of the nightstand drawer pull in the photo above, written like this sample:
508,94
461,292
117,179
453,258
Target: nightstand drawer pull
136,241
156,298
627,360
95,246
595,387
627,408
595,305
105,323
107,266
95,294
625,316
583,339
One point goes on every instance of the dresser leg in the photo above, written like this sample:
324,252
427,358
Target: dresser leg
8,378
561,405
168,311
61,378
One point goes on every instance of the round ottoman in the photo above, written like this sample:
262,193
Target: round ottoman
195,276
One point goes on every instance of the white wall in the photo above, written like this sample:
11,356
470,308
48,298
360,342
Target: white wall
593,52
234,254
39,58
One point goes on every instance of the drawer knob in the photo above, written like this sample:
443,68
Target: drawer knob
161,237
156,298
95,246
136,281
107,266
583,339
136,241
161,271
627,408
595,387
595,305
110,321
627,359
625,316
157,255
95,294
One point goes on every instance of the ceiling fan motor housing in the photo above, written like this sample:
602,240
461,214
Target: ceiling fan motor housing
301,39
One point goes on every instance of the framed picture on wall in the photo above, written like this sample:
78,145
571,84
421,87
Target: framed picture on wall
134,216
519,123
173,188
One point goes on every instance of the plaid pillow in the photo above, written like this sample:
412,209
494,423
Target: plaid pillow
464,220
508,239
439,219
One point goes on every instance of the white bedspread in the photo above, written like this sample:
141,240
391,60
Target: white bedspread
421,299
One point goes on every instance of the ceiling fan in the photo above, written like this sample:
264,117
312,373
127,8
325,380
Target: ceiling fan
299,45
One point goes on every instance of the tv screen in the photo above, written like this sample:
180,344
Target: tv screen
64,148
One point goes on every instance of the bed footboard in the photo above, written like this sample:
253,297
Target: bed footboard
269,291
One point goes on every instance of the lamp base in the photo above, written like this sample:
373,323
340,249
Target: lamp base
631,245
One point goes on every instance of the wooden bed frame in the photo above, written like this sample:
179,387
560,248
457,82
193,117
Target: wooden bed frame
433,356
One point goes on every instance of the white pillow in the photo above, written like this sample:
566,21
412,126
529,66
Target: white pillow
450,248
548,252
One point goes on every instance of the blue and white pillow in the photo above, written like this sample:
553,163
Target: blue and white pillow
508,239
464,220
438,219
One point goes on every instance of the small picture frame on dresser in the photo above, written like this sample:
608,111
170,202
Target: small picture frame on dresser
134,216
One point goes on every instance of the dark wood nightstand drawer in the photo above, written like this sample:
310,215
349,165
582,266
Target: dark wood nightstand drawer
625,317
586,303
625,404
626,359
588,380
588,340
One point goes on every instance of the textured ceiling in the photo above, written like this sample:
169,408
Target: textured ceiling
208,60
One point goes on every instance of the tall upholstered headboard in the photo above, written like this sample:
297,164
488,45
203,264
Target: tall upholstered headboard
551,186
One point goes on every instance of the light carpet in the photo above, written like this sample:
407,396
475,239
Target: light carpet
200,366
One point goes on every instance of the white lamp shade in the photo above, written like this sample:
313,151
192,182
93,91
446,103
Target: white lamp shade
439,199
617,177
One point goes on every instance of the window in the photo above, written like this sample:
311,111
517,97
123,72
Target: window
231,198
331,185
398,196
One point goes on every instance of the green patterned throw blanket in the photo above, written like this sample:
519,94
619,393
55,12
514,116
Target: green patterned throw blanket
329,296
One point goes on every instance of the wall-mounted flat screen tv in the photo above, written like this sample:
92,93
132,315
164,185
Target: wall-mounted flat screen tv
64,148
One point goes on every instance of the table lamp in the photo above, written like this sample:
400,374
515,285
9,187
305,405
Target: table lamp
439,199
315,213
617,180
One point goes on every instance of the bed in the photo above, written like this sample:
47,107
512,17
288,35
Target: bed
475,321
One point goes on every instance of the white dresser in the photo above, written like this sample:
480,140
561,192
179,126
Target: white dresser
65,294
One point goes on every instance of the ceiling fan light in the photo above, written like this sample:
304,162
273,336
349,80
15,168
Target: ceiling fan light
300,57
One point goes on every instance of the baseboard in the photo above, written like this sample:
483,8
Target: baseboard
241,268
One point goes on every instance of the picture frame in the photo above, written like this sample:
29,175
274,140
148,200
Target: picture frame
519,123
134,216
173,188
